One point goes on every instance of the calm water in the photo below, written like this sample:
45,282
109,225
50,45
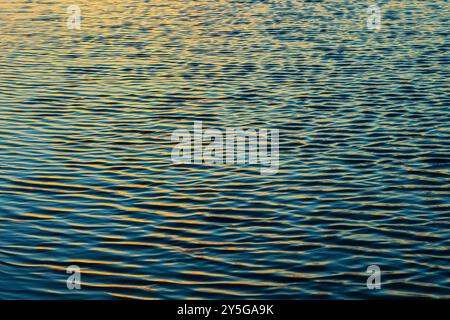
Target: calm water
86,176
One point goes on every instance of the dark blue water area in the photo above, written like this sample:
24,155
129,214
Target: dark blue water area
87,178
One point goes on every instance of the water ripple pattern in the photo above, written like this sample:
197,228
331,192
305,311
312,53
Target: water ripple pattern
86,176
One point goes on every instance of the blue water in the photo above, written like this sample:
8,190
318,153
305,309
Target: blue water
86,118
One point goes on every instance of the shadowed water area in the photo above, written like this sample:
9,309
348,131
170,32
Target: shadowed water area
86,176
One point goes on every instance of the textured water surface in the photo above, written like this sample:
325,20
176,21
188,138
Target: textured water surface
87,179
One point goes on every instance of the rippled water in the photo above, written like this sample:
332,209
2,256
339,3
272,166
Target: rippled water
87,179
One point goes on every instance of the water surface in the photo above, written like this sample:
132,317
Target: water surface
87,179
